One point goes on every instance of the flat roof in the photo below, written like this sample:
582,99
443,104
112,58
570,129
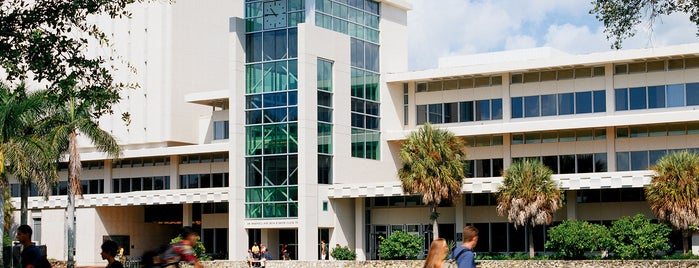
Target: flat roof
551,63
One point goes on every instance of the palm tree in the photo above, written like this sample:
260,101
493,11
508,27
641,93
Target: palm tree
433,166
673,193
528,196
20,151
70,119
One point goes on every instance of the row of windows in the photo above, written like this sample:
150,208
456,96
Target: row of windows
271,210
204,158
467,111
559,136
365,143
86,165
142,162
559,104
573,163
272,45
583,196
347,20
140,184
325,127
484,168
215,180
271,100
652,97
656,66
271,139
657,130
462,83
583,72
271,76
88,187
255,24
271,116
356,30
642,160
370,6
481,141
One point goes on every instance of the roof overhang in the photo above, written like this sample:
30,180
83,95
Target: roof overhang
217,99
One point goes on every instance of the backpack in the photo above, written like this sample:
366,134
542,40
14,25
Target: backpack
44,262
452,263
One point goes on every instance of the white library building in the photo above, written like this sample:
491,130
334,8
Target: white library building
279,122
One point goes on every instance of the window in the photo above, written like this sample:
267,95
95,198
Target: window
549,105
214,180
517,107
675,95
531,106
482,110
221,130
600,101
467,111
566,103
583,102
621,97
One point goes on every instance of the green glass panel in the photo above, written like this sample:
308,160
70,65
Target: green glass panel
253,211
295,5
372,144
293,74
324,75
253,195
253,140
325,138
293,210
253,171
293,170
293,137
275,210
327,6
253,24
275,139
253,9
372,86
253,80
357,83
275,194
298,17
275,171
372,35
294,193
358,140
372,21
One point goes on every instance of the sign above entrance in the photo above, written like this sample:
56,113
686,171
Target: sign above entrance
272,223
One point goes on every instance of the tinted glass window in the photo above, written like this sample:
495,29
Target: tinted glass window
517,107
435,113
600,162
451,112
639,160
621,99
637,98
567,164
600,101
482,110
531,106
675,95
585,163
551,162
496,108
622,161
549,105
692,94
421,114
583,102
566,103
466,111
656,97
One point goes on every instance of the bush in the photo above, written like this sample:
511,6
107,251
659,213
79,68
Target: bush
343,253
400,246
199,250
6,239
571,239
637,238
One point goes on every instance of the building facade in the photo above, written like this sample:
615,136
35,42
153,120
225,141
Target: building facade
280,122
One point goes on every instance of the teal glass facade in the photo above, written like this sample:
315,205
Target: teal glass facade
271,126
360,20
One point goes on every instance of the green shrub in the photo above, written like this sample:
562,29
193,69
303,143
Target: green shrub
343,253
571,239
400,246
199,250
637,238
6,239
680,256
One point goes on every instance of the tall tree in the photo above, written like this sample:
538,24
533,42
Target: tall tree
673,194
621,17
528,196
22,153
433,166
69,120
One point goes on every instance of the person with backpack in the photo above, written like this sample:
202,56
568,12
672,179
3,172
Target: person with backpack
109,252
438,251
463,255
181,251
31,256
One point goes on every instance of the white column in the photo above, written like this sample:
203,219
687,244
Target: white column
186,214
459,217
695,244
107,182
359,229
571,205
174,171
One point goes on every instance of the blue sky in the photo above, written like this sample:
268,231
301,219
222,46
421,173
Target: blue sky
439,28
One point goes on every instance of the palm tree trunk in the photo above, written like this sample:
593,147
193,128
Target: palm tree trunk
685,241
435,225
530,233
70,228
2,220
24,199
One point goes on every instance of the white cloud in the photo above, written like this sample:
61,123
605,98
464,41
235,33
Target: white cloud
452,27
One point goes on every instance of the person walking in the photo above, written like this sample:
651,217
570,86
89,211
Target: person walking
30,256
463,254
438,251
323,250
109,252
